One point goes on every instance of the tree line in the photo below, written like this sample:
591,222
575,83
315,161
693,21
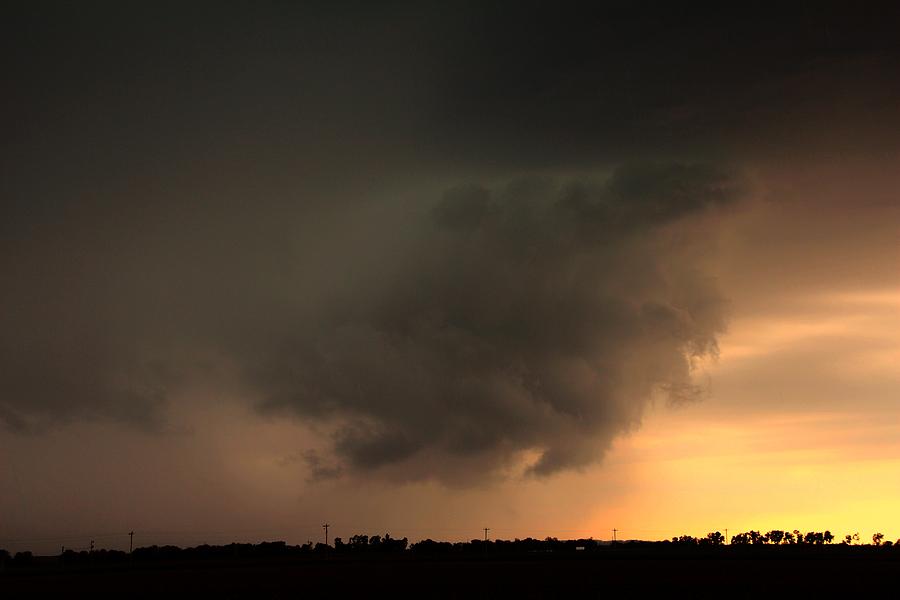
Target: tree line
778,537
385,544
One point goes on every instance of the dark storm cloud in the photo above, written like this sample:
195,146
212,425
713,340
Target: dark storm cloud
542,84
539,316
64,352
189,192
107,91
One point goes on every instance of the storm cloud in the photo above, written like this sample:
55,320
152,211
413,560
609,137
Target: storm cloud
446,236
539,316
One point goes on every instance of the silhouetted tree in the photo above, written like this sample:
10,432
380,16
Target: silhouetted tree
813,537
740,539
877,538
685,540
390,544
714,538
430,546
775,536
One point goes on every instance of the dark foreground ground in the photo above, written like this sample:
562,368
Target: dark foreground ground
547,576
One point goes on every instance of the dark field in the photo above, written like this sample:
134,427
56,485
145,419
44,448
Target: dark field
587,576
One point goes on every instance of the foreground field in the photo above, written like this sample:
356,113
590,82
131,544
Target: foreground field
589,576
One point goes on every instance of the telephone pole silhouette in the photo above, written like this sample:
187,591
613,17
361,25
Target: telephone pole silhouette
130,542
726,536
486,529
614,535
325,527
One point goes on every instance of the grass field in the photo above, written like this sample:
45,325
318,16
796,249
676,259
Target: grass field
540,576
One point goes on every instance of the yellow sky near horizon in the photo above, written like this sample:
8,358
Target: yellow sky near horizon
805,464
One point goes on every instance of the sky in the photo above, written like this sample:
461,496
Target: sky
424,269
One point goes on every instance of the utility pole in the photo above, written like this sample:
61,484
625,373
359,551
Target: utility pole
130,542
486,529
614,535
726,536
325,527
